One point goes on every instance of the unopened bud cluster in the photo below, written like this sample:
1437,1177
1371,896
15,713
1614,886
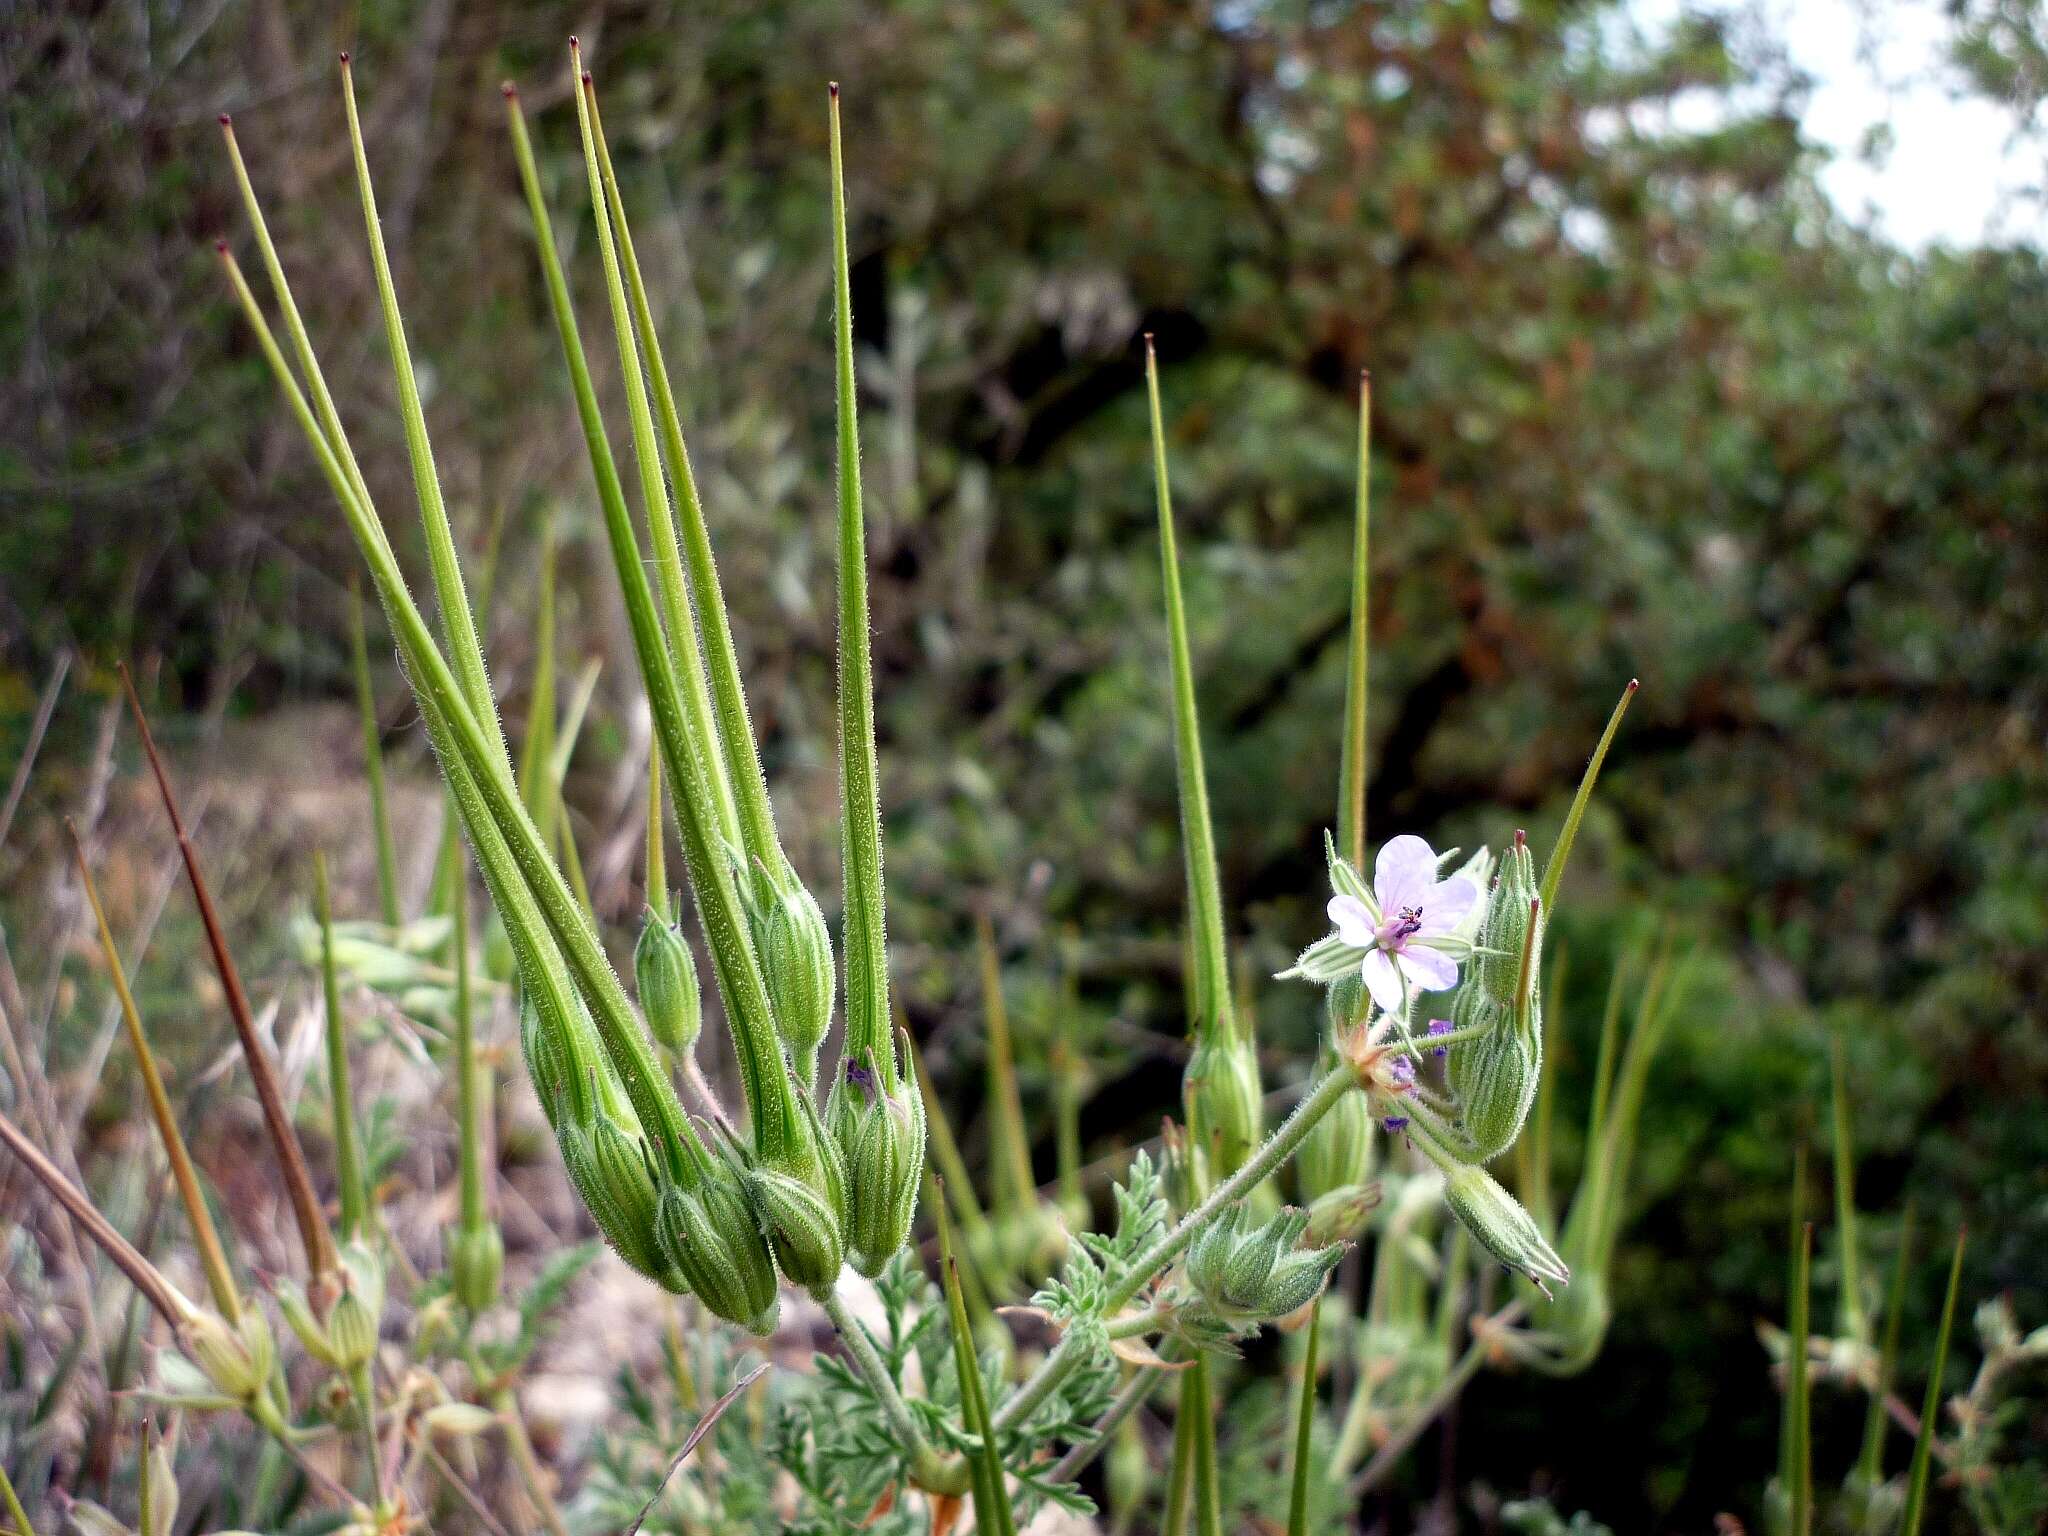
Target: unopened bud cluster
1246,1271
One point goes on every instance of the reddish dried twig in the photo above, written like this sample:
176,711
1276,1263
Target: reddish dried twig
313,1233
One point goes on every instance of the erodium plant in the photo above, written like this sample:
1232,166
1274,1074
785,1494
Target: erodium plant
1433,972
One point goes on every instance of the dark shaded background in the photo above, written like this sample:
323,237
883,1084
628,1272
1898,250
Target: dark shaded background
1645,405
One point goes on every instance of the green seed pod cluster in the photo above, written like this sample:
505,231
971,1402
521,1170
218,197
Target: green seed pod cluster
609,1165
1224,1101
476,1260
877,1120
1501,1225
1248,1272
708,1235
796,964
800,1195
670,995
1494,1075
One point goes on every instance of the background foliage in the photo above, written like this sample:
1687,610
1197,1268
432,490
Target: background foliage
1644,405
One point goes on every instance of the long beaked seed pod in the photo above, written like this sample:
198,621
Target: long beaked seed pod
709,1236
880,1135
670,995
1494,1074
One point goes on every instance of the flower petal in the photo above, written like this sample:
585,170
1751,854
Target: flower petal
1428,970
1404,874
1382,980
1446,905
1354,923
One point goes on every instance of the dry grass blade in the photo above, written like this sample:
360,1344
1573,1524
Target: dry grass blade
126,1257
704,1427
313,1233
219,1279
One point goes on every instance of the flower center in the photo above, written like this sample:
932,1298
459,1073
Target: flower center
1407,922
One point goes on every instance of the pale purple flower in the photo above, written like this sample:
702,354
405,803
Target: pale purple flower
1415,909
1394,1122
1440,1027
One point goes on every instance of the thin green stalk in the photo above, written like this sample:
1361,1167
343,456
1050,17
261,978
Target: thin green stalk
220,1281
951,1168
1351,770
1930,1406
1208,1492
927,1466
1553,871
657,854
472,1076
1798,1391
1870,1463
348,1165
1787,1443
992,1511
1129,1399
867,961
363,1388
1180,1470
668,571
373,760
1210,994
1276,1149
532,1477
763,1068
1304,1427
1389,1455
456,618
1066,1088
1019,1194
735,732
538,746
1854,1324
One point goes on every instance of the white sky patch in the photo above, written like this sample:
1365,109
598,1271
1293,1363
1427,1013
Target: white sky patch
1915,154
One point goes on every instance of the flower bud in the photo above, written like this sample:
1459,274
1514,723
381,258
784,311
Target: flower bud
709,1236
608,1165
1338,1151
1346,1002
1340,1215
236,1358
669,992
1503,1228
1221,1088
879,1129
476,1259
352,1324
1245,1272
796,963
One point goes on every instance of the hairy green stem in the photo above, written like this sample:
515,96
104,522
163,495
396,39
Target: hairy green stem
928,1468
348,1163
1277,1148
